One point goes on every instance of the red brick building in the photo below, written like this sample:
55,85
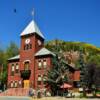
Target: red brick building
29,68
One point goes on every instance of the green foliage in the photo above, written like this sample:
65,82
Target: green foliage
75,46
93,68
88,62
58,74
10,51
94,59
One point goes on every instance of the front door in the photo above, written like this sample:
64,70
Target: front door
26,83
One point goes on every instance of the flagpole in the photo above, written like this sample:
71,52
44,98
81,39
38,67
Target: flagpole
32,14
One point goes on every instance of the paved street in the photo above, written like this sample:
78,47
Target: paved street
45,98
14,98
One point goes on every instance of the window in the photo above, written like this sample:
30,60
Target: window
15,84
44,79
11,84
27,46
39,79
44,63
12,69
39,64
26,65
17,68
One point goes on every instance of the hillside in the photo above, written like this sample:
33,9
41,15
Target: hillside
71,50
75,46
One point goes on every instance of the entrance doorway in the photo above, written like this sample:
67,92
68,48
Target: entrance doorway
26,83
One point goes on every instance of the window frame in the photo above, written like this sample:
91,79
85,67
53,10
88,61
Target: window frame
27,66
39,82
45,63
39,64
17,69
12,69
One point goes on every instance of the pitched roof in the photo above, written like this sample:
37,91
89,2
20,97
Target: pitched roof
32,28
43,52
14,58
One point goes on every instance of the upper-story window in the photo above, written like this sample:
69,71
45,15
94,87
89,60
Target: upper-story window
12,69
39,64
27,46
26,65
17,68
45,63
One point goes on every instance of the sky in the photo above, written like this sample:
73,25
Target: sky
69,20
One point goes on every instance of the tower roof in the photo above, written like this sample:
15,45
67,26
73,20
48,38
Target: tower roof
31,29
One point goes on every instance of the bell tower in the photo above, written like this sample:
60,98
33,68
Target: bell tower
32,40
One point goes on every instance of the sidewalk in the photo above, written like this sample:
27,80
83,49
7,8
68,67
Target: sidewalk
63,98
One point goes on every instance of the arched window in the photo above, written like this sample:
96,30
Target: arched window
26,65
27,46
12,69
17,68
39,64
44,63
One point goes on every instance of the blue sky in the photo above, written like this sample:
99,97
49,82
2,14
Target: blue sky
69,20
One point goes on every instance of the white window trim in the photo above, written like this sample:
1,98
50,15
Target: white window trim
12,67
17,66
39,77
15,84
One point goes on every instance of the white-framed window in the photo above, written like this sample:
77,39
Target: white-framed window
39,81
44,77
12,67
17,67
15,84
45,63
39,77
39,64
11,84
